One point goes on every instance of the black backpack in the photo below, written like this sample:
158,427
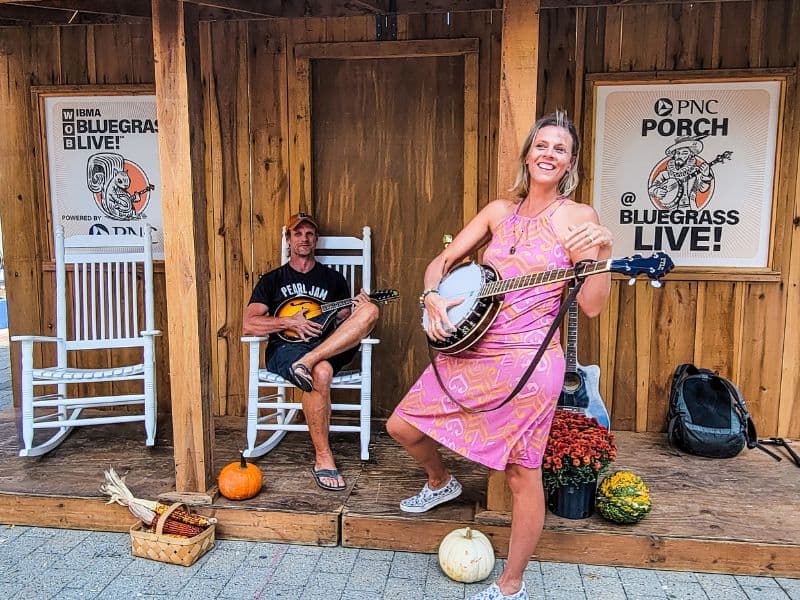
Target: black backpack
707,414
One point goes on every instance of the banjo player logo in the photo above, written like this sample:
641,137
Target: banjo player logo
121,188
683,180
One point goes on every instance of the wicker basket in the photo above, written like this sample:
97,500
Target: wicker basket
170,549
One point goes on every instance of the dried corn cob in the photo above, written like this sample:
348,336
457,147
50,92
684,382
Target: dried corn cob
184,516
146,510
174,527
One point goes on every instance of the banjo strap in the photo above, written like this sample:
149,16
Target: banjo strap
575,287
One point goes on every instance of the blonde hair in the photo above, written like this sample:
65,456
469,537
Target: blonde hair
569,182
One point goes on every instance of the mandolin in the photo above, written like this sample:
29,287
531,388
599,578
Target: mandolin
323,313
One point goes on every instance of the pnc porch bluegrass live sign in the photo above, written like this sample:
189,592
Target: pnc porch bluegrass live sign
688,169
103,168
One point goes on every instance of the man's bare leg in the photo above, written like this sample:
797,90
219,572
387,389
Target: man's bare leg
317,402
317,410
346,336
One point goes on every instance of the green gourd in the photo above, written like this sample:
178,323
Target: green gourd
623,497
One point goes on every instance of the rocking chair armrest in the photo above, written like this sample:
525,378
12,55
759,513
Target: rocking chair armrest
35,338
152,332
254,339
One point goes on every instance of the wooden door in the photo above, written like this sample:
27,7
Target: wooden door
389,149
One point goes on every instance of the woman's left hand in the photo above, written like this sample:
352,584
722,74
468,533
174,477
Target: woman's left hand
588,235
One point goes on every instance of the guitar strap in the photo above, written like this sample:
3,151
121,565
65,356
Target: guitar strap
575,288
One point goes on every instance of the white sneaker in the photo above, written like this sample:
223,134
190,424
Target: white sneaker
493,593
428,498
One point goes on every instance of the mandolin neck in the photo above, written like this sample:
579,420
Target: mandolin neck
331,306
523,282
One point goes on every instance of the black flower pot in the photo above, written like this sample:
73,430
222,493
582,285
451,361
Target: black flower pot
573,501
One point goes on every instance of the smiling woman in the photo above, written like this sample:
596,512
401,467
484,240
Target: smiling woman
460,401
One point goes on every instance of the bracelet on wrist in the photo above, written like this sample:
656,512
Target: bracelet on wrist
424,295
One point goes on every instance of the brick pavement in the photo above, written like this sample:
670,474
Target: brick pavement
39,563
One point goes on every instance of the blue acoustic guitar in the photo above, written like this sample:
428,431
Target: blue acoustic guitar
581,390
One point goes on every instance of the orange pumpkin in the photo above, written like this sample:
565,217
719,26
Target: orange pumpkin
239,480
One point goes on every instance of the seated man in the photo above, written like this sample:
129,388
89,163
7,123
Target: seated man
311,362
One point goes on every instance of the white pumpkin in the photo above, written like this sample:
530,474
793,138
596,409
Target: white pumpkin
466,555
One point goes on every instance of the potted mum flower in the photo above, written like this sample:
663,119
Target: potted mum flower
578,451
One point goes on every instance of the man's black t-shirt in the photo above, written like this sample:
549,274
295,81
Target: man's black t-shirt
320,283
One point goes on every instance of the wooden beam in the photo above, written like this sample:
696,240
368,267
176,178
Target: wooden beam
33,15
180,119
788,417
547,4
378,7
518,76
388,49
262,8
322,8
255,9
130,8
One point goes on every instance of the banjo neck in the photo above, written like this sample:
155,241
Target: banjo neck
522,282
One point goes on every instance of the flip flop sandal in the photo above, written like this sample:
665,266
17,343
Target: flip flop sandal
328,474
301,377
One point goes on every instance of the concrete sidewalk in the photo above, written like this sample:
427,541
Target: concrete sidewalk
62,564
38,563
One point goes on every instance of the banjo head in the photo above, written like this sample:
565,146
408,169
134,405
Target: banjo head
474,314
462,282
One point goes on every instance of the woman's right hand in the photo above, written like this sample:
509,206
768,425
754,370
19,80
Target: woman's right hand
439,326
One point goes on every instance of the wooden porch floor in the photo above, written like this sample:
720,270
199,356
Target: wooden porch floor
733,516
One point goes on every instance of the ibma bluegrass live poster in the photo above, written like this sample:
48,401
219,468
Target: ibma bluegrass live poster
103,168
687,169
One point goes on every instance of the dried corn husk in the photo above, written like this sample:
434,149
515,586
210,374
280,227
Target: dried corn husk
146,510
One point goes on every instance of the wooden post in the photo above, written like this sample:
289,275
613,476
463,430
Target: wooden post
179,98
519,70
19,210
518,76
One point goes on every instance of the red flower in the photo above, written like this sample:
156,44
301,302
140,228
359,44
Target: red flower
578,449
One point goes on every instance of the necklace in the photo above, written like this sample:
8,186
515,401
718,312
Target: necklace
517,237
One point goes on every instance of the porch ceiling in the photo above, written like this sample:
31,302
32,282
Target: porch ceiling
76,12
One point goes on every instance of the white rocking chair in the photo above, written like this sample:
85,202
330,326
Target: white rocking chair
272,413
105,310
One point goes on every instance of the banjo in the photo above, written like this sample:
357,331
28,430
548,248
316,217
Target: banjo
482,290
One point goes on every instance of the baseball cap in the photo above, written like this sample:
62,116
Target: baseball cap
298,218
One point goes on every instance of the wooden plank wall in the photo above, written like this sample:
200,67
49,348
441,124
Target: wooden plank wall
744,329
252,104
43,56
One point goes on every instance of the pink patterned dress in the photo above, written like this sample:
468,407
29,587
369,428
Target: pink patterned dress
485,375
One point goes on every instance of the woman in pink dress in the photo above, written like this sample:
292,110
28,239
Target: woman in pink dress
542,229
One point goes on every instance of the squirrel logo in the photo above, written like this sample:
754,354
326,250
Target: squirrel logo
111,177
